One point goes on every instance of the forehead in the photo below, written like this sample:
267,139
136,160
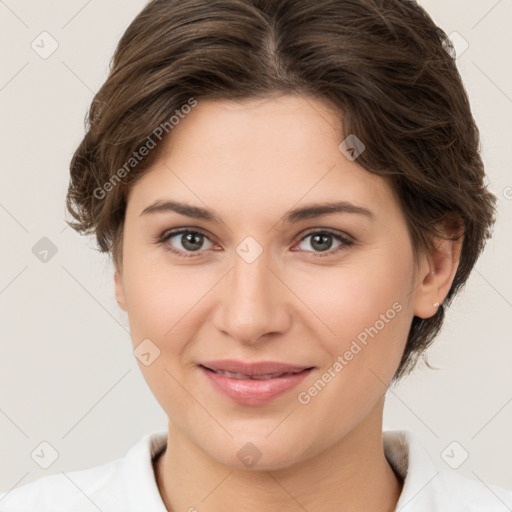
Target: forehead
259,155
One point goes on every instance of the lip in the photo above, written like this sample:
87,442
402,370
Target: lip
252,391
256,368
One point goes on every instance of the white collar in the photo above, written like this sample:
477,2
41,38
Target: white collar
430,489
426,488
129,484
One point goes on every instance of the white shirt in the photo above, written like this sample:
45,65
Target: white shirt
128,484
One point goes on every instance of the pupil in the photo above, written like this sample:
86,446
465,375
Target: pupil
323,239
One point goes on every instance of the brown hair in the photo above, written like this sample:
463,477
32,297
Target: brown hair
382,63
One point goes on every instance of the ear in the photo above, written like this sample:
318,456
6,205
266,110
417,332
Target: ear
436,273
119,288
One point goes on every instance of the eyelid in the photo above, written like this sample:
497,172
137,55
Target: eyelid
346,239
340,234
163,238
168,233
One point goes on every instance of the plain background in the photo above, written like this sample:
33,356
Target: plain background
68,375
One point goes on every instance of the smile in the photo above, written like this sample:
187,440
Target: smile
253,387
236,375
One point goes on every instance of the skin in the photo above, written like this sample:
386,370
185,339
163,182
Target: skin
251,162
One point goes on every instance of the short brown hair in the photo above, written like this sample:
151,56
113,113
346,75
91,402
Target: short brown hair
382,63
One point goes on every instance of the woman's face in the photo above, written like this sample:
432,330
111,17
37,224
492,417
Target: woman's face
255,280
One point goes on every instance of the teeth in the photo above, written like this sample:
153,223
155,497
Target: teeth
268,376
256,377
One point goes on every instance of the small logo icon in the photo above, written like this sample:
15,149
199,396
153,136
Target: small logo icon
44,45
249,454
44,250
249,250
146,352
44,455
454,455
352,147
455,45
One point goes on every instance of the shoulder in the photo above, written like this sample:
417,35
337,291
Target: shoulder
474,495
109,487
83,490
433,489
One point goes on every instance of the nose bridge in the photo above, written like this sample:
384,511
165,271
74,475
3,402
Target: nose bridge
253,303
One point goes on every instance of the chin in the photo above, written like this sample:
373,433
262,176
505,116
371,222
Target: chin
260,453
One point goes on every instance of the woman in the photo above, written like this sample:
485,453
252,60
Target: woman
292,194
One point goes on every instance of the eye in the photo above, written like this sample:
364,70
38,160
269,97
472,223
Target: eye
184,240
322,242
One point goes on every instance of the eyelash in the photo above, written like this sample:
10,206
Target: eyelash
165,236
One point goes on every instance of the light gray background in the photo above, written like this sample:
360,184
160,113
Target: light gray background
68,375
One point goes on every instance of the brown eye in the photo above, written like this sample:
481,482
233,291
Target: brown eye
185,241
191,241
323,241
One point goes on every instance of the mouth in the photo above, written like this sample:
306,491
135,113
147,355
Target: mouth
236,375
253,383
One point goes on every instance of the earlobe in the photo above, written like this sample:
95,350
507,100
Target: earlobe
119,290
436,277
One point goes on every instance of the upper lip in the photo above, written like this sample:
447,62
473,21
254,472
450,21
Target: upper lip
257,368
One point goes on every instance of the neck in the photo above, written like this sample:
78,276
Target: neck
353,474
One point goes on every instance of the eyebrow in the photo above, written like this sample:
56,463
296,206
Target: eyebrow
293,216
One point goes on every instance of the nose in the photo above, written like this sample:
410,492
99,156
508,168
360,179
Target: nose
253,302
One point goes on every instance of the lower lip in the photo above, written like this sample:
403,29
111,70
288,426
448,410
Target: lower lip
252,391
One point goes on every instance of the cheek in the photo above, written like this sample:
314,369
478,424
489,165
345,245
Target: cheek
371,317
354,296
163,306
161,297
366,314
